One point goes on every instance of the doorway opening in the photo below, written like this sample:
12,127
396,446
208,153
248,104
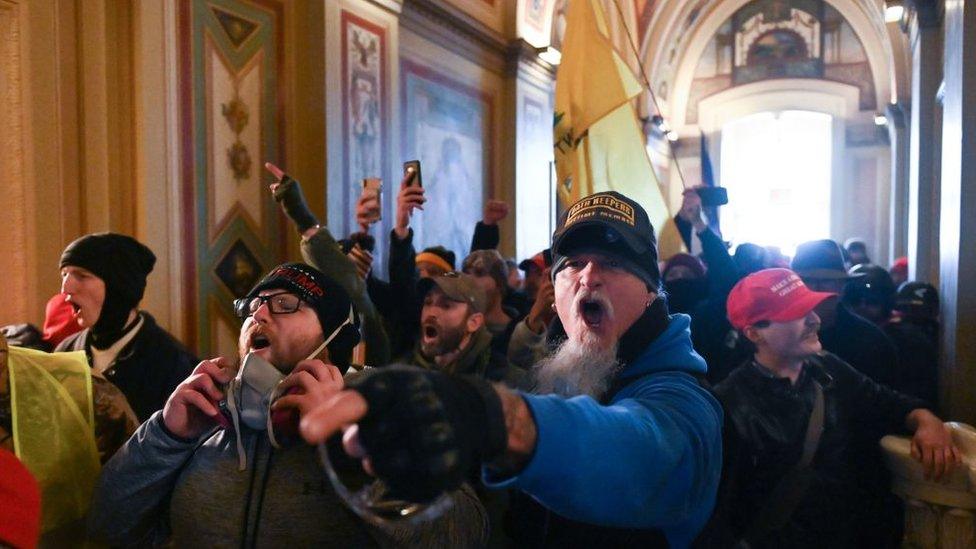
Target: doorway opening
777,169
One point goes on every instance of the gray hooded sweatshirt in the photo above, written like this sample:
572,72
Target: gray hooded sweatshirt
160,490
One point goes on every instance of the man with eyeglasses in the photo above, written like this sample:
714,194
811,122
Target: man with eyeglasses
220,464
795,415
618,445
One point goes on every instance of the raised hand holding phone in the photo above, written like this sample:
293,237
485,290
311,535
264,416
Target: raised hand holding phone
411,197
368,209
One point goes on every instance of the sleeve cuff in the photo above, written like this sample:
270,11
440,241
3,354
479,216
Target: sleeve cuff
156,425
544,411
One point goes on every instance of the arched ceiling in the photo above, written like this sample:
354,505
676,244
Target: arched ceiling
674,34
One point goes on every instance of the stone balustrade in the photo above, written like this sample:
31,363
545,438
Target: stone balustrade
938,515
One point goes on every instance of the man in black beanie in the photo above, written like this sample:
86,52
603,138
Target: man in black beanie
103,276
221,465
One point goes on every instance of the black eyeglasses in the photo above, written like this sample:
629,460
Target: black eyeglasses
278,304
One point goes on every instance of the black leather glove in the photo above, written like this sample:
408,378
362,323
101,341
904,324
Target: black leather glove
425,430
289,195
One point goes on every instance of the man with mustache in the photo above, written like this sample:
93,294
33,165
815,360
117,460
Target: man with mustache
220,465
619,443
453,336
795,415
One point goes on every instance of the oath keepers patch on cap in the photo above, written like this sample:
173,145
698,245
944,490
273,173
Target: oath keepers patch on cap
610,223
602,206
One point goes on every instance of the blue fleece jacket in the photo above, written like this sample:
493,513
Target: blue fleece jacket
651,458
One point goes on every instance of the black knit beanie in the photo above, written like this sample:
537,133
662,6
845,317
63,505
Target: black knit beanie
123,263
325,295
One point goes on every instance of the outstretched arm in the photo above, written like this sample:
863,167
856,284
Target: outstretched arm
649,459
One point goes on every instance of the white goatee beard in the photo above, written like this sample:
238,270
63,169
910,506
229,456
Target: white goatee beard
577,368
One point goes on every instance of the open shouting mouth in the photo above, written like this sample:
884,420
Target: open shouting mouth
592,311
430,332
259,341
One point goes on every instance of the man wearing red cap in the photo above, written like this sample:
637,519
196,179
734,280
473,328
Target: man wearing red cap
794,413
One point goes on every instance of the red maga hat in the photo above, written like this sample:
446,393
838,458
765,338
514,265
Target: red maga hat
776,295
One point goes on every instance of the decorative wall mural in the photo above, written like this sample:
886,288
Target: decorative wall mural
236,114
231,123
239,270
364,103
782,39
777,46
772,39
535,13
448,126
558,24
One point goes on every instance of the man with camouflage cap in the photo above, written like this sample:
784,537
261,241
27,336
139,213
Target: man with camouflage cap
453,335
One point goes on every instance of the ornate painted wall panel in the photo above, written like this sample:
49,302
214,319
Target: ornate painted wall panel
769,39
365,116
232,118
449,127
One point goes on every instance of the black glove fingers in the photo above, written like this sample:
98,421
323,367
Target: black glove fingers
289,194
425,430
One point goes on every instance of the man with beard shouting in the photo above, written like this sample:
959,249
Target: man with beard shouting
618,442
453,335
221,464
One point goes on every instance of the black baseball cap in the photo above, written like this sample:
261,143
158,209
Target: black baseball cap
609,222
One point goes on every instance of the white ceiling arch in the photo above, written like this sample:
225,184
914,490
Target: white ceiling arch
666,29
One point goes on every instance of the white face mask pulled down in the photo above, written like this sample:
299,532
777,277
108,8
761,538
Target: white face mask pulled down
255,389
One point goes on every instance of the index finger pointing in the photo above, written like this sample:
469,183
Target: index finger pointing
340,410
275,171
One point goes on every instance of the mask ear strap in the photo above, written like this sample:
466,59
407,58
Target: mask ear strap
270,429
350,320
235,419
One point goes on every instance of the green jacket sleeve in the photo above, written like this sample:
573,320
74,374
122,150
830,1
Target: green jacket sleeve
323,252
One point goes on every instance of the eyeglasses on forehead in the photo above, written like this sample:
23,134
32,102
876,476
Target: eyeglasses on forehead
278,304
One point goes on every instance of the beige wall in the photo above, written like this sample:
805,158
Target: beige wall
76,134
91,102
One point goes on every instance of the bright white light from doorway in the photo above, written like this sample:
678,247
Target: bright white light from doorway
551,55
894,13
777,167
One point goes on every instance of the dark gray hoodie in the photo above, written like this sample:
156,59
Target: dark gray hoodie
161,490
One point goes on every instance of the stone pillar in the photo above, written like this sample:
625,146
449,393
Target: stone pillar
957,224
923,181
534,85
898,136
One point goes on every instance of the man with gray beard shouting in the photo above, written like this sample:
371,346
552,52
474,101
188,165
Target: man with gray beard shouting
619,442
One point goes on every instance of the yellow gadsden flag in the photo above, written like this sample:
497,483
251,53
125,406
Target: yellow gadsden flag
598,143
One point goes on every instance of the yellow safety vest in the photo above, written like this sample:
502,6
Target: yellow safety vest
54,430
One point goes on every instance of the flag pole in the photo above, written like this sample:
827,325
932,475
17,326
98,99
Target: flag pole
647,84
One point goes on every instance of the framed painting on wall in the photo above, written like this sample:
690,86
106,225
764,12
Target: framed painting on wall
448,127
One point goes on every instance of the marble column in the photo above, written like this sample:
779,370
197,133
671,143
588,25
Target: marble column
925,32
957,223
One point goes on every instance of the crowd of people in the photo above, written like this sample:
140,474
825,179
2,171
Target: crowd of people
589,395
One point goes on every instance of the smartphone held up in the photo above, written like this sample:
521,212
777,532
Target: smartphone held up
411,173
373,189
